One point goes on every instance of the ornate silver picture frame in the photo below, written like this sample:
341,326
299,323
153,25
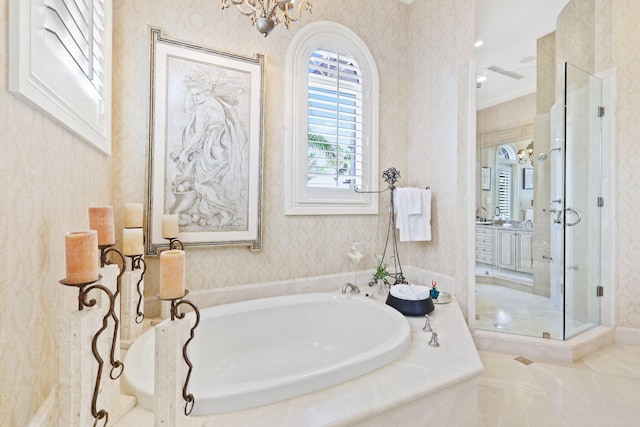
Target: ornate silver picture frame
205,145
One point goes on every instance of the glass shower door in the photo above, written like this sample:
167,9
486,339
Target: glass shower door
580,214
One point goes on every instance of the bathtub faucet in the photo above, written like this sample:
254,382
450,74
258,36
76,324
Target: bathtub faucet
354,288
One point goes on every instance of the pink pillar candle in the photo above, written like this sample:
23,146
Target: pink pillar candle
101,220
133,215
82,258
172,274
170,228
132,241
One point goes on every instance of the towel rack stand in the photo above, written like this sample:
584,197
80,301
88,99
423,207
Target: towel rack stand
390,176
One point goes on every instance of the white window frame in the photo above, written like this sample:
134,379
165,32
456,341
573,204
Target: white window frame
37,74
299,199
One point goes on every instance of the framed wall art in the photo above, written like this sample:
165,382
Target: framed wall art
486,179
205,145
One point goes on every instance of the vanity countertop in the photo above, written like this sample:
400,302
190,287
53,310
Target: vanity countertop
489,224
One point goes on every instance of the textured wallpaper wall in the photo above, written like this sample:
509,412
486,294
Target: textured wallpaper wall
410,91
49,178
292,246
517,112
600,35
625,38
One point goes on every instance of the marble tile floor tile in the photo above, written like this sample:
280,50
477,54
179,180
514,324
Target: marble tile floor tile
602,389
507,310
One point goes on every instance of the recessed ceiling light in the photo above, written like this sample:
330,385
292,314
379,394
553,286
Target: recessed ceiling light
479,43
527,59
481,79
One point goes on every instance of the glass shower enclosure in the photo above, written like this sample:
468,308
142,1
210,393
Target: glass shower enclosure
581,207
574,205
563,299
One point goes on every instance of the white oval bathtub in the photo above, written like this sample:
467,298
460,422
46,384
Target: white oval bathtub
256,352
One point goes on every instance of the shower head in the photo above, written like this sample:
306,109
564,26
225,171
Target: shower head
544,156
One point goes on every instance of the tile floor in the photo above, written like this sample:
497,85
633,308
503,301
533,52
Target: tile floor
602,389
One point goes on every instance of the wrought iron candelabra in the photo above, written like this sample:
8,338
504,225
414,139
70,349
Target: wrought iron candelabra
174,243
105,250
83,292
137,263
176,314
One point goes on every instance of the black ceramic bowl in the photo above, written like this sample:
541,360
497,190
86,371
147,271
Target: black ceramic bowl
411,308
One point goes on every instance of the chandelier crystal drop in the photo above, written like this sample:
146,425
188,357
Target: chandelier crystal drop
267,14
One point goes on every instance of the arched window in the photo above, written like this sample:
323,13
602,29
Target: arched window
332,118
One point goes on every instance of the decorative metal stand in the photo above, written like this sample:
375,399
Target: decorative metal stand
390,176
137,263
175,314
83,291
104,251
174,242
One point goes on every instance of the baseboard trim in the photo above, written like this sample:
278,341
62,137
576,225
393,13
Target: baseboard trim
627,336
540,349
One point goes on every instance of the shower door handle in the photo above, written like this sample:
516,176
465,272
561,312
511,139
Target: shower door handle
576,212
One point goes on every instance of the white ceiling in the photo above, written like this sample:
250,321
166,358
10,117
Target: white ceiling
509,30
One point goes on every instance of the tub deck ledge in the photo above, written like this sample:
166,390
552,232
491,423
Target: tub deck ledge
425,386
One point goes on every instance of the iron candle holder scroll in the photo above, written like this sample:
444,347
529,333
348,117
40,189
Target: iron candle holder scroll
137,263
174,243
83,292
176,314
104,252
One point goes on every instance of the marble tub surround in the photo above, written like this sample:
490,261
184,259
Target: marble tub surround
426,385
327,283
261,351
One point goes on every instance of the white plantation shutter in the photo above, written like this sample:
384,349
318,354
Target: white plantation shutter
74,30
335,121
504,191
61,61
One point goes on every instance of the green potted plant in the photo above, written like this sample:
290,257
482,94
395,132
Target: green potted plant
381,273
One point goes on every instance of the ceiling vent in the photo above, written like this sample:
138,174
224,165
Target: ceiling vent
504,72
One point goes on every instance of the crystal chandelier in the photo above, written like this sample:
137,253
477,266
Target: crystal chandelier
266,14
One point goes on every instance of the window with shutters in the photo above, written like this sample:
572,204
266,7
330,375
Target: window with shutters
332,123
504,191
60,60
505,161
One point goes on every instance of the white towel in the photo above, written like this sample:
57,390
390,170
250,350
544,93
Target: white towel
410,292
414,202
413,227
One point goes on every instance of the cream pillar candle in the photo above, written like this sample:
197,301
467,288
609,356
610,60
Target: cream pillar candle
81,256
172,274
170,228
101,220
133,215
132,241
